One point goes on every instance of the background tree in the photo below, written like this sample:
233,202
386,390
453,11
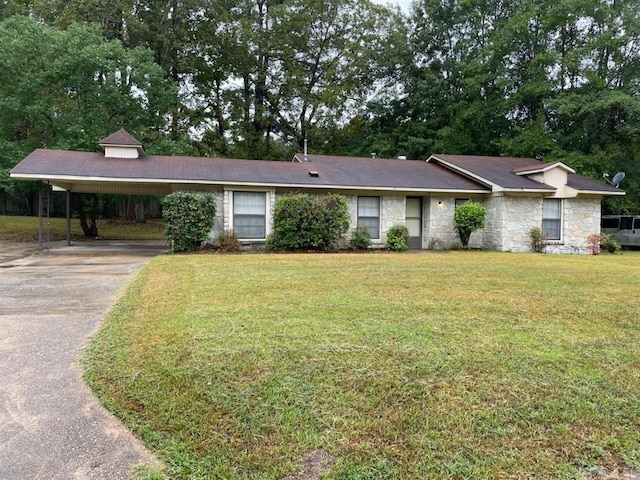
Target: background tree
254,78
546,78
67,89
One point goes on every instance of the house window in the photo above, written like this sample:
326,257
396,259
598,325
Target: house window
369,215
249,214
552,218
460,201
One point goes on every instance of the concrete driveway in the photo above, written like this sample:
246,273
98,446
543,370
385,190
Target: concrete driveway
51,426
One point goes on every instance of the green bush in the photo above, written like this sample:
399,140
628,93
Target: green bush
397,238
538,242
468,218
188,219
308,222
611,244
360,238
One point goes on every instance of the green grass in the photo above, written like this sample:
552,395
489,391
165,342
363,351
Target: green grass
402,366
25,229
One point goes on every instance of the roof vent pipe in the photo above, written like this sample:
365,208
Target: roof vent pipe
306,159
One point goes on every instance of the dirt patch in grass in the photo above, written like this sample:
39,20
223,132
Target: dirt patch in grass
615,474
312,465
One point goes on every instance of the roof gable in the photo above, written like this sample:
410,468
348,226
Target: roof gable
495,172
541,167
513,174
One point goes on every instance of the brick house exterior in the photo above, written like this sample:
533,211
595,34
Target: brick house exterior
518,193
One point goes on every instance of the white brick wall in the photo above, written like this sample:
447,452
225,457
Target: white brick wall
580,218
438,223
393,211
219,219
508,222
510,219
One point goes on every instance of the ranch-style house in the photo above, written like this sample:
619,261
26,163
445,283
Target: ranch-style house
518,193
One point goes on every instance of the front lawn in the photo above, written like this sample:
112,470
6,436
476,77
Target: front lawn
25,229
400,366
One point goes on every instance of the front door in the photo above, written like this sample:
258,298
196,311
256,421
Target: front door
413,221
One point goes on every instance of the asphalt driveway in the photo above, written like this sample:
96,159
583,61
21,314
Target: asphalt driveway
51,426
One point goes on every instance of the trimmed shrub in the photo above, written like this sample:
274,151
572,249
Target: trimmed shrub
468,218
188,219
397,238
598,242
611,244
595,242
360,238
538,242
308,222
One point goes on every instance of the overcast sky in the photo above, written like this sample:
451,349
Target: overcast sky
405,5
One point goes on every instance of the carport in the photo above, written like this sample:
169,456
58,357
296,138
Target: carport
71,172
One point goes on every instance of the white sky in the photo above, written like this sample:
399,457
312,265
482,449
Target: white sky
405,5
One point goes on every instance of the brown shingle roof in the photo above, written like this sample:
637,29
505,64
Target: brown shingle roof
333,172
498,171
389,173
586,184
450,173
503,172
121,137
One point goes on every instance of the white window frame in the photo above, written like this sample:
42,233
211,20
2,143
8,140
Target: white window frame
233,213
374,235
558,219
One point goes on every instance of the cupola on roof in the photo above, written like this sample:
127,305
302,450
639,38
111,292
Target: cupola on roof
121,144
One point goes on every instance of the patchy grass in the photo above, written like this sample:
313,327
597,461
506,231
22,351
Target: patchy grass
443,365
25,229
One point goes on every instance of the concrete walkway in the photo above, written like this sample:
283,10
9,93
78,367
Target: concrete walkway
51,426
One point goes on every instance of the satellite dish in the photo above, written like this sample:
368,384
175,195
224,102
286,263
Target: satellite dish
617,178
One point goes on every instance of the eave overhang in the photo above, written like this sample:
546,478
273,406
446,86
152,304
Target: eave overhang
67,182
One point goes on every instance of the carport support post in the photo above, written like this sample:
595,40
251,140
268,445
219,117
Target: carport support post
68,218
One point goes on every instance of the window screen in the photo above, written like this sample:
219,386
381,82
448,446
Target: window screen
551,218
369,215
249,214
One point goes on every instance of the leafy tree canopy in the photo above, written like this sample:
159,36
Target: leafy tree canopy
68,88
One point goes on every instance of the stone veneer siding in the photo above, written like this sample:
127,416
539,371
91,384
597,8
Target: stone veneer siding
439,233
580,218
392,212
219,219
510,219
508,222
